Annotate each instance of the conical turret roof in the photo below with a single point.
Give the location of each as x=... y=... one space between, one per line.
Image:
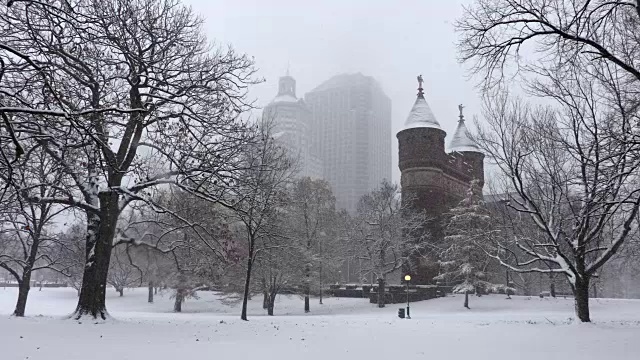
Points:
x=421 y=115
x=461 y=140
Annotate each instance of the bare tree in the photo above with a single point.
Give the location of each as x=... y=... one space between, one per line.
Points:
x=73 y=252
x=535 y=35
x=312 y=214
x=577 y=177
x=28 y=243
x=281 y=263
x=260 y=192
x=383 y=234
x=122 y=272
x=567 y=171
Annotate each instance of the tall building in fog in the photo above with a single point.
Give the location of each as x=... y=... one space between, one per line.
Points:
x=350 y=128
x=290 y=117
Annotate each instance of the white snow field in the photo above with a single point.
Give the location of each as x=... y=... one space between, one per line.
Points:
x=495 y=328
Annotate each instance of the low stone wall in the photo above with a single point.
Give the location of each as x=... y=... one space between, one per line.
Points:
x=350 y=293
x=34 y=285
x=393 y=293
x=398 y=294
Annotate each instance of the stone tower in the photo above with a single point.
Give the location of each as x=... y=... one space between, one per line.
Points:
x=432 y=179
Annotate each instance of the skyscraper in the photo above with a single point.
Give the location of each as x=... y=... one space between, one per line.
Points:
x=350 y=128
x=290 y=117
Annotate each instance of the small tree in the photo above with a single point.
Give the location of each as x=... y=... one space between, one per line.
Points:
x=384 y=234
x=312 y=214
x=463 y=258
x=122 y=271
x=281 y=265
x=260 y=192
x=27 y=243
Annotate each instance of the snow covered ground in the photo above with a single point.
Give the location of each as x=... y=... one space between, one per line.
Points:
x=495 y=328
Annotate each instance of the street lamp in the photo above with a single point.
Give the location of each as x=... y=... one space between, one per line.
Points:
x=407 y=278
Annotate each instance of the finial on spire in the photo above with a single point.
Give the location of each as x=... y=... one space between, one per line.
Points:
x=460 y=107
x=420 y=89
x=287 y=68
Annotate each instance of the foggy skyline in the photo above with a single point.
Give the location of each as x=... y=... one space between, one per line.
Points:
x=390 y=41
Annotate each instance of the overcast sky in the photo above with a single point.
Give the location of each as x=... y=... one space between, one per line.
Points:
x=393 y=41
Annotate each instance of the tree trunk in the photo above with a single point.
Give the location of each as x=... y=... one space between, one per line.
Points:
x=552 y=288
x=307 y=290
x=271 y=304
x=466 y=299
x=100 y=233
x=306 y=301
x=23 y=293
x=581 y=295
x=247 y=282
x=380 y=292
x=320 y=275
x=121 y=291
x=177 y=305
x=155 y=291
x=25 y=285
x=150 y=296
x=265 y=299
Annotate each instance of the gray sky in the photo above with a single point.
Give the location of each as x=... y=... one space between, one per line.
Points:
x=391 y=40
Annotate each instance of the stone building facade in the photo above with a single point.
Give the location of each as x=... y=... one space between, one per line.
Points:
x=432 y=178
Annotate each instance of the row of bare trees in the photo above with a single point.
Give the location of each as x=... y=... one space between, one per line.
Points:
x=121 y=98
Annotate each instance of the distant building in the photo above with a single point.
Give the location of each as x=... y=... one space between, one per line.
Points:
x=290 y=117
x=432 y=179
x=350 y=129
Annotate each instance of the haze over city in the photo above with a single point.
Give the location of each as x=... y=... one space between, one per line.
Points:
x=392 y=41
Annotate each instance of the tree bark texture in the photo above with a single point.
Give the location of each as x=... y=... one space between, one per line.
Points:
x=265 y=300
x=247 y=282
x=100 y=233
x=307 y=290
x=466 y=299
x=23 y=293
x=150 y=296
x=581 y=295
x=271 y=304
x=380 y=293
x=321 y=284
x=177 y=305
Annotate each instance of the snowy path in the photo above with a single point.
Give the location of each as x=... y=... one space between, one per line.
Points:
x=495 y=328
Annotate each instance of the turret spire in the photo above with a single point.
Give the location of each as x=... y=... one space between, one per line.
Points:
x=461 y=140
x=420 y=89
x=421 y=115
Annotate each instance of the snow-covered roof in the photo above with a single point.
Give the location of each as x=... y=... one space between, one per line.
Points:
x=461 y=140
x=421 y=115
x=285 y=98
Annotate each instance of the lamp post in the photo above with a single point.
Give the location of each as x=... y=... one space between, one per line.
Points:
x=407 y=278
